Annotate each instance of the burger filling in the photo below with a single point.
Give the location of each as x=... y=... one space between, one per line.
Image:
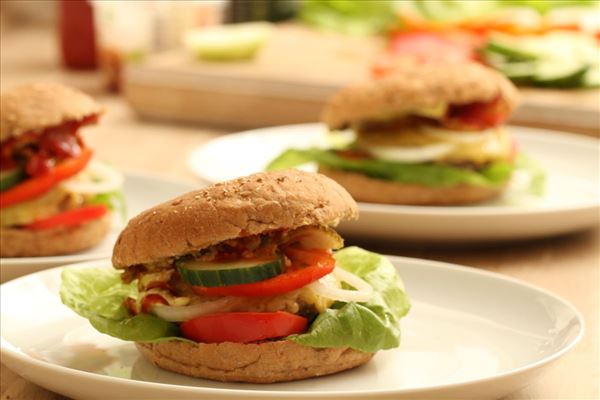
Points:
x=446 y=145
x=227 y=291
x=49 y=180
x=296 y=289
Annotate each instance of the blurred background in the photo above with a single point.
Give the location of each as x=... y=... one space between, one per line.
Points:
x=240 y=64
x=173 y=75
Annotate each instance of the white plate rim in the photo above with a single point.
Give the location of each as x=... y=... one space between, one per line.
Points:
x=82 y=257
x=7 y=349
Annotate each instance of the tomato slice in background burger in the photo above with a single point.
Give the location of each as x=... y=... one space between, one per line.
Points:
x=308 y=265
x=476 y=116
x=243 y=327
x=35 y=187
x=70 y=218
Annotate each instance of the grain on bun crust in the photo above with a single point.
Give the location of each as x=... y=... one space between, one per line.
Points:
x=35 y=107
x=417 y=86
x=264 y=362
x=55 y=241
x=365 y=188
x=241 y=207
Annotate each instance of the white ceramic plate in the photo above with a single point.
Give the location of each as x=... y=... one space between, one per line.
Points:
x=141 y=192
x=469 y=334
x=571 y=201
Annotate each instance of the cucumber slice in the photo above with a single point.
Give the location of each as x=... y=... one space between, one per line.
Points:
x=510 y=51
x=560 y=74
x=10 y=178
x=228 y=42
x=213 y=274
x=519 y=72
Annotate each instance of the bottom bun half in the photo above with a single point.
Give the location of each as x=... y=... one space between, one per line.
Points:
x=264 y=362
x=364 y=188
x=55 y=241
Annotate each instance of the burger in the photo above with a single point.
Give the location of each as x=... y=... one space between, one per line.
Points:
x=54 y=197
x=245 y=281
x=424 y=135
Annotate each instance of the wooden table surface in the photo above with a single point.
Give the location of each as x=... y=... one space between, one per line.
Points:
x=568 y=265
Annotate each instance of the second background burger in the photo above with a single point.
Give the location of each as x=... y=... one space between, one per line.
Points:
x=424 y=135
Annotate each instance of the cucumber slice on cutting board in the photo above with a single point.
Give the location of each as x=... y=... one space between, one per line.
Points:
x=510 y=51
x=228 y=42
x=10 y=178
x=518 y=72
x=560 y=74
x=558 y=59
x=211 y=274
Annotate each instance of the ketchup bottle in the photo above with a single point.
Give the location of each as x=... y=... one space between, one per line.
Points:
x=76 y=32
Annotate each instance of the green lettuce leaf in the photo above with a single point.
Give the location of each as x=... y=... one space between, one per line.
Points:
x=543 y=6
x=493 y=175
x=349 y=16
x=369 y=326
x=461 y=10
x=97 y=294
x=115 y=201
x=537 y=175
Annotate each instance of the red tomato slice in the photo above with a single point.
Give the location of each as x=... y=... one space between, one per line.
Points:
x=70 y=218
x=476 y=116
x=243 y=327
x=432 y=47
x=423 y=46
x=35 y=187
x=307 y=266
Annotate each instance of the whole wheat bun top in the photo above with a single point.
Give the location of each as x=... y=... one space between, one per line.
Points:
x=242 y=207
x=413 y=86
x=35 y=107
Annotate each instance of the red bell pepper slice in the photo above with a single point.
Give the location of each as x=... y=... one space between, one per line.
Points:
x=70 y=218
x=37 y=186
x=308 y=265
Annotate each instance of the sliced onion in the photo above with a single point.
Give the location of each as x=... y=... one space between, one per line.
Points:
x=362 y=293
x=412 y=154
x=185 y=313
x=352 y=280
x=96 y=178
x=312 y=237
x=448 y=135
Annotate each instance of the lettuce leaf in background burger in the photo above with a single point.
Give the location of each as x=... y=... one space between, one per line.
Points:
x=430 y=174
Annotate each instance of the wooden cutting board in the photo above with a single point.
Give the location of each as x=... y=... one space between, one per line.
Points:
x=292 y=77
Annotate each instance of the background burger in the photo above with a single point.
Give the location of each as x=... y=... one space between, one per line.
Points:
x=426 y=135
x=240 y=282
x=54 y=198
